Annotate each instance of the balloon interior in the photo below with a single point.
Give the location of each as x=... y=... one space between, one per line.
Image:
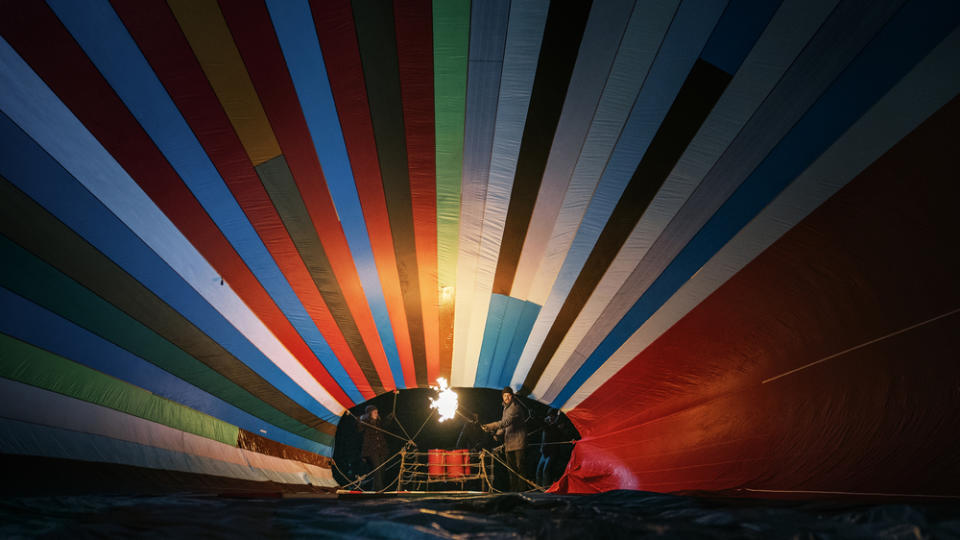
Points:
x=717 y=238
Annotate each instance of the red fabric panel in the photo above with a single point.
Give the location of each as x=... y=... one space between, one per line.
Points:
x=158 y=35
x=875 y=261
x=414 y=27
x=57 y=58
x=338 y=41
x=253 y=33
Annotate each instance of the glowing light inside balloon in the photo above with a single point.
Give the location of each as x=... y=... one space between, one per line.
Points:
x=446 y=402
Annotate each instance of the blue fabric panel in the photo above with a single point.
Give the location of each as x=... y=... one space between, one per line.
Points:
x=101 y=34
x=738 y=29
x=293 y=22
x=491 y=332
x=22 y=161
x=505 y=337
x=33 y=324
x=509 y=323
x=691 y=27
x=526 y=315
x=903 y=42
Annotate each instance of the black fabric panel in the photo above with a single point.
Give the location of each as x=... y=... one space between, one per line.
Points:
x=280 y=185
x=25 y=222
x=693 y=103
x=36 y=475
x=566 y=22
x=378 y=52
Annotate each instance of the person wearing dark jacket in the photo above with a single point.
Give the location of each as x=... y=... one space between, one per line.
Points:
x=512 y=427
x=550 y=449
x=373 y=447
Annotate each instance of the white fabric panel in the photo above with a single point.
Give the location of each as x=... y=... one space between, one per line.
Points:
x=788 y=32
x=36 y=406
x=923 y=91
x=29 y=103
x=598 y=50
x=524 y=35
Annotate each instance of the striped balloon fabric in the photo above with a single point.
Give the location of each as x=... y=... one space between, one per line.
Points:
x=720 y=235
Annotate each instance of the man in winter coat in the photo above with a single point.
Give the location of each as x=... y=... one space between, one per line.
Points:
x=373 y=449
x=512 y=427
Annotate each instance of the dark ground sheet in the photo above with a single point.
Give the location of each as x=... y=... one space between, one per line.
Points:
x=609 y=515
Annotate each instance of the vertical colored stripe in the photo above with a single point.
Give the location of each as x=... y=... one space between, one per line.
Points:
x=293 y=22
x=562 y=34
x=649 y=24
x=377 y=38
x=258 y=45
x=488 y=29
x=451 y=36
x=691 y=28
x=524 y=38
x=603 y=39
x=414 y=27
x=338 y=41
x=211 y=41
x=280 y=185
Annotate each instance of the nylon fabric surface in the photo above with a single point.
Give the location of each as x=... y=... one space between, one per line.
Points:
x=753 y=78
x=374 y=20
x=682 y=44
x=152 y=25
x=489 y=20
x=740 y=387
x=451 y=41
x=292 y=21
x=870 y=75
x=91 y=164
x=61 y=248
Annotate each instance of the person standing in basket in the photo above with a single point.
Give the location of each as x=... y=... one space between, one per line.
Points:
x=373 y=448
x=512 y=428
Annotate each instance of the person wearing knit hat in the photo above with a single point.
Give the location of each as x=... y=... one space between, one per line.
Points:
x=373 y=447
x=512 y=428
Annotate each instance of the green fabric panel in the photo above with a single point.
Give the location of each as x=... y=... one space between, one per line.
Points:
x=451 y=36
x=36 y=367
x=36 y=281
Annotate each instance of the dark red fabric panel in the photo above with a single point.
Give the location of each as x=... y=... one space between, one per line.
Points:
x=253 y=33
x=414 y=27
x=48 y=47
x=871 y=275
x=156 y=32
x=338 y=41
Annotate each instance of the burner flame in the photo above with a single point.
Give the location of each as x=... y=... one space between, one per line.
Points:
x=446 y=402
